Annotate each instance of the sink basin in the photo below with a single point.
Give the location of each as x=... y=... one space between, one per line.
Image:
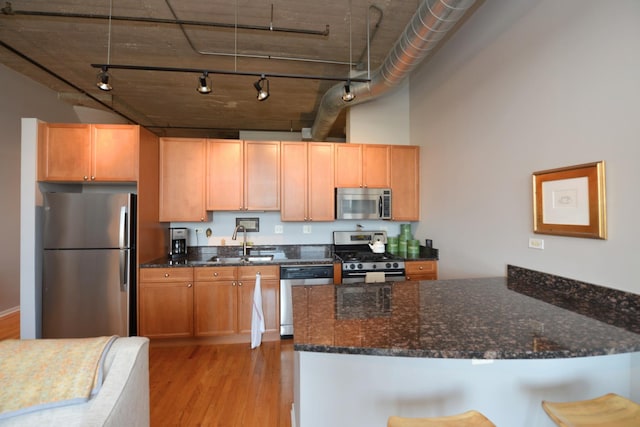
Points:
x=243 y=259
x=258 y=258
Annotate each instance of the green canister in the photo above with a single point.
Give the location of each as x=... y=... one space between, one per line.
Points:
x=405 y=232
x=392 y=245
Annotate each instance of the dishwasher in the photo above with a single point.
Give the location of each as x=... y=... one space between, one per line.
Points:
x=298 y=275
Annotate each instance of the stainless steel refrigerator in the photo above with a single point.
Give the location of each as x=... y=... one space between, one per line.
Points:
x=89 y=274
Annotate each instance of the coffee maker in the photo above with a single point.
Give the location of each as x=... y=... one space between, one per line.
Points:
x=178 y=242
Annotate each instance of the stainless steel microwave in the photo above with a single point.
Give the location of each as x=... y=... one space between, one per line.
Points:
x=363 y=203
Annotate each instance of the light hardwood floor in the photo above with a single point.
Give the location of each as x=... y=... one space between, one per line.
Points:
x=226 y=385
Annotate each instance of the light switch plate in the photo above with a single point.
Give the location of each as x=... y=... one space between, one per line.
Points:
x=306 y=229
x=278 y=229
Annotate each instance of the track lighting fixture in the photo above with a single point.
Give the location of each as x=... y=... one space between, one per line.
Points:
x=262 y=86
x=204 y=83
x=348 y=95
x=103 y=80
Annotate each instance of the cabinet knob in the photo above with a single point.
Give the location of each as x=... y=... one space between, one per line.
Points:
x=420 y=268
x=86 y=178
x=93 y=178
x=166 y=274
x=189 y=285
x=233 y=283
x=215 y=274
x=239 y=283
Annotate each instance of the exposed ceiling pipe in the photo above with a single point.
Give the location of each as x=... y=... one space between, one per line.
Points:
x=430 y=23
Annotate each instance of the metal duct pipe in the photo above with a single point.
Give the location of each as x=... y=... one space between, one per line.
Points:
x=430 y=23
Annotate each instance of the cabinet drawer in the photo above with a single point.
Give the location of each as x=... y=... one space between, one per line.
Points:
x=212 y=274
x=421 y=270
x=177 y=274
x=266 y=272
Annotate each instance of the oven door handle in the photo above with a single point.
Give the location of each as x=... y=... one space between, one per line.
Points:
x=387 y=273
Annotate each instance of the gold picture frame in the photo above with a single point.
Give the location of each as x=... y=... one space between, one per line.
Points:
x=571 y=201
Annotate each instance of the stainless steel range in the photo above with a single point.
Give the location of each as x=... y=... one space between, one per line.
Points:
x=358 y=260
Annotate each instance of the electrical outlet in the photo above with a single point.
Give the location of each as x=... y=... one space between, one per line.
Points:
x=536 y=243
x=306 y=229
x=279 y=229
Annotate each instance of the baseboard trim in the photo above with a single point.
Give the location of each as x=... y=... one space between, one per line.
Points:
x=10 y=324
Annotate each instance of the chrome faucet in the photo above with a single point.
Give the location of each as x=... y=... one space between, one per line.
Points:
x=244 y=240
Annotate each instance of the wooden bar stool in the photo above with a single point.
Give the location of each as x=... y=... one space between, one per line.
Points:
x=467 y=419
x=610 y=410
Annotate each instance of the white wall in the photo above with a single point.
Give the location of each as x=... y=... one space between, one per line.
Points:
x=21 y=97
x=383 y=120
x=526 y=86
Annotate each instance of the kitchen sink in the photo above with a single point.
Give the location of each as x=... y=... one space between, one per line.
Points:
x=243 y=259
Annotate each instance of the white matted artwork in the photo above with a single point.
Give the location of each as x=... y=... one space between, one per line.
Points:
x=566 y=201
x=570 y=201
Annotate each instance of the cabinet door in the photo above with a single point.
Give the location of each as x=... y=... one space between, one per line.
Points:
x=262 y=175
x=225 y=175
x=270 y=304
x=405 y=182
x=348 y=172
x=320 y=193
x=64 y=152
x=114 y=156
x=216 y=305
x=166 y=309
x=375 y=166
x=270 y=286
x=294 y=181
x=182 y=168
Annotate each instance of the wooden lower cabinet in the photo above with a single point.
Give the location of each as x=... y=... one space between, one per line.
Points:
x=421 y=270
x=224 y=299
x=166 y=302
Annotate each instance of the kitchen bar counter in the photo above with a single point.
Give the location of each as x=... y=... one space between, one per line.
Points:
x=435 y=348
x=490 y=318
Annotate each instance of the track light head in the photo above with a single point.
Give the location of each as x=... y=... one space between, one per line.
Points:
x=204 y=84
x=103 y=80
x=262 y=86
x=348 y=95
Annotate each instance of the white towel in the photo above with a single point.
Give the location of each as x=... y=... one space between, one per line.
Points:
x=257 y=316
x=374 y=277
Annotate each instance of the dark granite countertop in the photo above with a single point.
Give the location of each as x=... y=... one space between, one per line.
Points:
x=488 y=318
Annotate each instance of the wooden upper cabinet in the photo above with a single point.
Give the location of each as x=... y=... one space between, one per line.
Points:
x=243 y=175
x=225 y=175
x=348 y=165
x=307 y=181
x=405 y=182
x=321 y=198
x=88 y=153
x=294 y=181
x=262 y=175
x=115 y=152
x=375 y=166
x=362 y=165
x=182 y=184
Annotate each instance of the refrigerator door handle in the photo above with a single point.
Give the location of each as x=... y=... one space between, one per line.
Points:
x=123 y=227
x=124 y=268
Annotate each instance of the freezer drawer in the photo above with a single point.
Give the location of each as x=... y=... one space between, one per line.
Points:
x=83 y=293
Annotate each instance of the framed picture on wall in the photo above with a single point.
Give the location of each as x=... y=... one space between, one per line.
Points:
x=570 y=201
